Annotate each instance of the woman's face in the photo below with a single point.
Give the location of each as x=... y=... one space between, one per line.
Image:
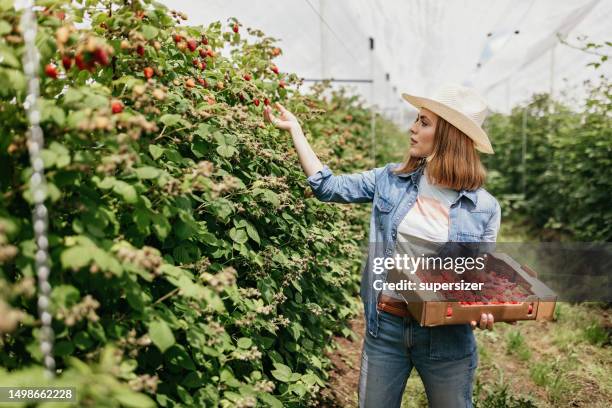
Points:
x=422 y=133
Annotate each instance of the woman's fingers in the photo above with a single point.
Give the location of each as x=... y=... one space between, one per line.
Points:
x=280 y=107
x=483 y=321
x=486 y=322
x=269 y=115
x=285 y=114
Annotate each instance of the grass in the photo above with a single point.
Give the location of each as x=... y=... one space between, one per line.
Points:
x=515 y=344
x=595 y=334
x=499 y=397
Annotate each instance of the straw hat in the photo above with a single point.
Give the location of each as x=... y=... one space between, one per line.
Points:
x=462 y=107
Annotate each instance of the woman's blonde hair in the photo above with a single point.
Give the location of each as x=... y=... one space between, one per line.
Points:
x=454 y=162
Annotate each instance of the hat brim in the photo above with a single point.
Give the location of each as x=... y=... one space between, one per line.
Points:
x=456 y=118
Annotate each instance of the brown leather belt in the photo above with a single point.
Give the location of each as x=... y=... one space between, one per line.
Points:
x=394 y=306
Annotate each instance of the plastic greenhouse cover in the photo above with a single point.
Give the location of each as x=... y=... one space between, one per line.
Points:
x=507 y=49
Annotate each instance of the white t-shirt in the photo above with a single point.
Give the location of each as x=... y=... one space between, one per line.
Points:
x=424 y=229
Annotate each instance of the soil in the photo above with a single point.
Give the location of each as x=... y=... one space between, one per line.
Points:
x=346 y=361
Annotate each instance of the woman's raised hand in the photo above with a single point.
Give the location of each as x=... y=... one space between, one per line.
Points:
x=286 y=121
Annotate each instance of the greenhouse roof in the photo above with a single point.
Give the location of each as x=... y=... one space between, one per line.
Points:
x=507 y=49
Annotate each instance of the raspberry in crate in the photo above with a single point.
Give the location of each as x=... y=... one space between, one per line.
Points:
x=508 y=290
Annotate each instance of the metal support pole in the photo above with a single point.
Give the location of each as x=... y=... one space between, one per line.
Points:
x=349 y=80
x=372 y=98
x=387 y=85
x=552 y=71
x=508 y=94
x=524 y=150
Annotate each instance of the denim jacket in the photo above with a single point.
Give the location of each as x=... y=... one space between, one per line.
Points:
x=475 y=216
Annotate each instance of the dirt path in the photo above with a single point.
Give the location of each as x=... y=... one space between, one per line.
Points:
x=346 y=360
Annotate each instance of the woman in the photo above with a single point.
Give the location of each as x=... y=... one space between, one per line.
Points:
x=410 y=212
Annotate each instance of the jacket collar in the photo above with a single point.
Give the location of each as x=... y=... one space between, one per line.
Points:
x=415 y=175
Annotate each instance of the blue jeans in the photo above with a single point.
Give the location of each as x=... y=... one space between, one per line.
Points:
x=444 y=356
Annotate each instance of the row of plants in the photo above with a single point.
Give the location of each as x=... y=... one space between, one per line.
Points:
x=563 y=181
x=191 y=265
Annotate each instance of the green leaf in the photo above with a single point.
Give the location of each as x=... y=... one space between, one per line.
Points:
x=245 y=343
x=51 y=112
x=147 y=172
x=250 y=229
x=97 y=331
x=203 y=130
x=238 y=235
x=282 y=372
x=268 y=196
x=106 y=183
x=9 y=58
x=296 y=330
x=65 y=296
x=161 y=335
x=15 y=79
x=6 y=5
x=178 y=356
x=63 y=348
x=193 y=380
x=142 y=220
x=199 y=148
x=72 y=95
x=298 y=388
x=226 y=143
x=5 y=27
x=186 y=252
x=126 y=191
x=226 y=151
x=170 y=119
x=134 y=399
x=62 y=154
x=94 y=101
x=106 y=261
x=49 y=158
x=75 y=258
x=161 y=226
x=156 y=151
x=149 y=32
x=270 y=400
x=82 y=340
x=228 y=378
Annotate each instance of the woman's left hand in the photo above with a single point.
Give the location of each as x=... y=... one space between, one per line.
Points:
x=486 y=322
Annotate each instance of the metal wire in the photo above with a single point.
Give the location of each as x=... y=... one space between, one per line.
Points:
x=348 y=50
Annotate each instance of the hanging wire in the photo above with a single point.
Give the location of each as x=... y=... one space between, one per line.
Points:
x=38 y=186
x=333 y=32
